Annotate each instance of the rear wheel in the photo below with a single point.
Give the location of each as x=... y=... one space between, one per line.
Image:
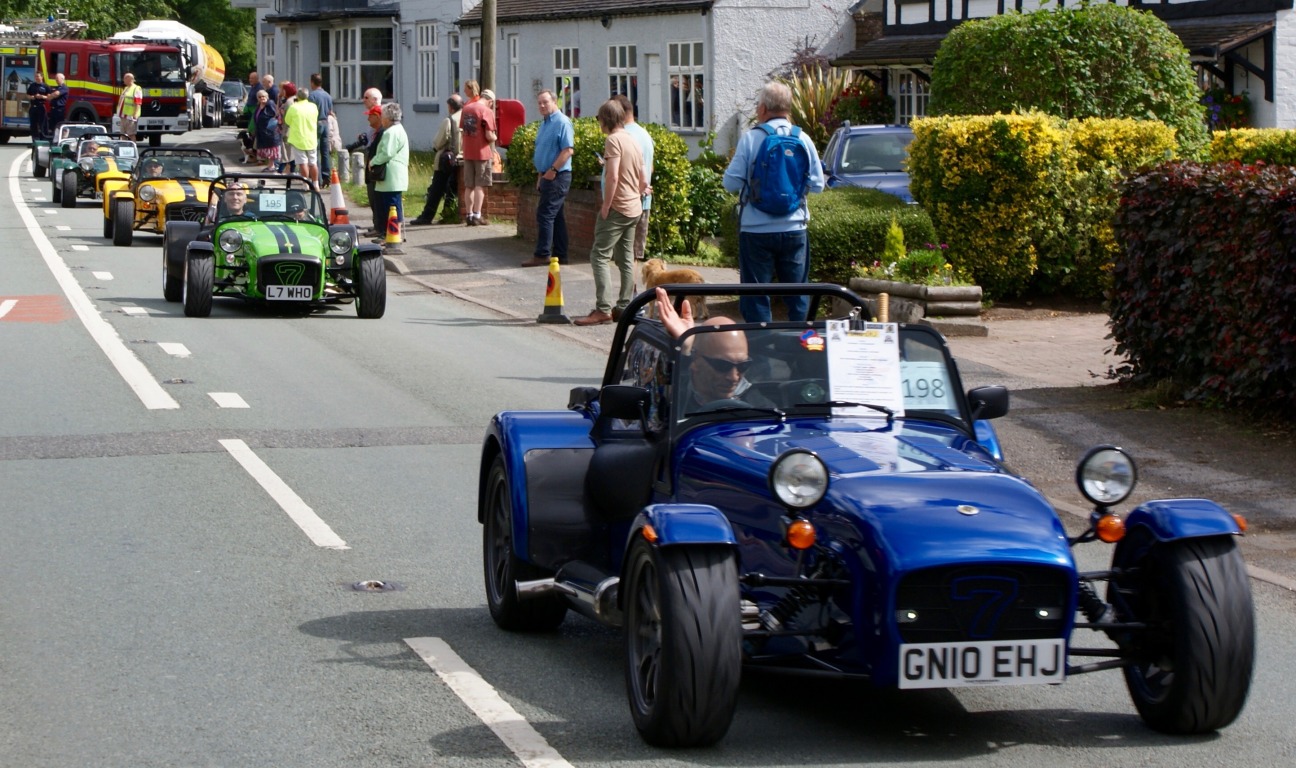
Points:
x=200 y=274
x=123 y=228
x=504 y=568
x=38 y=170
x=683 y=643
x=1196 y=657
x=371 y=301
x=69 y=189
x=56 y=194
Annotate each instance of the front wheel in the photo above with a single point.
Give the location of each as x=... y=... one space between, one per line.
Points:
x=56 y=194
x=38 y=170
x=200 y=275
x=683 y=643
x=123 y=221
x=69 y=189
x=503 y=568
x=371 y=289
x=1194 y=660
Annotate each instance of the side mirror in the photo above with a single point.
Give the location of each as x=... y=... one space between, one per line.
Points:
x=622 y=401
x=988 y=402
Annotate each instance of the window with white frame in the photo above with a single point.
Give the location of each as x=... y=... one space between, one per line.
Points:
x=911 y=95
x=567 y=80
x=268 y=51
x=476 y=60
x=453 y=40
x=685 y=66
x=358 y=58
x=377 y=70
x=337 y=64
x=515 y=65
x=623 y=72
x=426 y=36
x=325 y=45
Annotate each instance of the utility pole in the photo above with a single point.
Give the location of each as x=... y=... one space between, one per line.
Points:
x=488 y=45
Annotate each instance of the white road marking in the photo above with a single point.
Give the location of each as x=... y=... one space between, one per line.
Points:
x=51 y=212
x=102 y=275
x=290 y=502
x=128 y=366
x=174 y=348
x=1264 y=574
x=80 y=247
x=225 y=399
x=135 y=310
x=7 y=305
x=61 y=227
x=498 y=715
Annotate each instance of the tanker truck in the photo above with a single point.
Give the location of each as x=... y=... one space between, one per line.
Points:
x=204 y=65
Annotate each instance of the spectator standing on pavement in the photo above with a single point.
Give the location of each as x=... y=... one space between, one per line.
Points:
x=287 y=95
x=302 y=121
x=448 y=146
x=555 y=143
x=335 y=145
x=372 y=98
x=58 y=96
x=369 y=143
x=623 y=188
x=37 y=93
x=254 y=87
x=640 y=135
x=771 y=248
x=392 y=154
x=324 y=103
x=129 y=104
x=478 y=124
x=265 y=123
x=268 y=84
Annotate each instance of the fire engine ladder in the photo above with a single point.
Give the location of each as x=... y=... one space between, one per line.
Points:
x=32 y=31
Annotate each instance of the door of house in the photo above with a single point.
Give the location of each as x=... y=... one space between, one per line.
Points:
x=652 y=63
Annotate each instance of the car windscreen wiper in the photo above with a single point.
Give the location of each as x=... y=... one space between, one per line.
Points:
x=890 y=414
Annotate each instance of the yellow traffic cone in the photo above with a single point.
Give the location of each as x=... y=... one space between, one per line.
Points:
x=337 y=203
x=553 y=301
x=393 y=240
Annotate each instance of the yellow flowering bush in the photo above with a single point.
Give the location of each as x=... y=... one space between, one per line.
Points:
x=1276 y=146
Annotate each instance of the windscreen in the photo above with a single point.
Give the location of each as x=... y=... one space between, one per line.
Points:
x=154 y=69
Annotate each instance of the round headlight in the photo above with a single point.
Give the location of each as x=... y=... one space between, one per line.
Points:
x=340 y=260
x=231 y=240
x=1106 y=475
x=340 y=242
x=147 y=193
x=799 y=479
x=87 y=164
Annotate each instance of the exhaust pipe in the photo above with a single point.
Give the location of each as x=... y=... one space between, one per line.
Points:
x=589 y=590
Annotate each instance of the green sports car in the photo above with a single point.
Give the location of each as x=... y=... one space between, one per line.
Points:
x=266 y=239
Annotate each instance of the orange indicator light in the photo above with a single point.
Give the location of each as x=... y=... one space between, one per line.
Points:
x=800 y=534
x=1110 y=528
x=649 y=534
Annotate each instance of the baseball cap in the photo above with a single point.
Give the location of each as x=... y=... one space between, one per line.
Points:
x=374 y=111
x=488 y=94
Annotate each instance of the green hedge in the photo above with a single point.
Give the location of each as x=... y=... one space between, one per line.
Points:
x=847 y=230
x=1025 y=202
x=1202 y=295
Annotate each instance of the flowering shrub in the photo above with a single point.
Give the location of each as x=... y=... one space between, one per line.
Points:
x=861 y=103
x=1226 y=110
x=1252 y=145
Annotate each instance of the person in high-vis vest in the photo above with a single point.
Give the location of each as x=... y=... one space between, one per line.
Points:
x=128 y=105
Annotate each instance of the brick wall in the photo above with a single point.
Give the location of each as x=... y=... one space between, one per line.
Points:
x=501 y=200
x=580 y=210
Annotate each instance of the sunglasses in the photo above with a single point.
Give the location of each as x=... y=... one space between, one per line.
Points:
x=726 y=367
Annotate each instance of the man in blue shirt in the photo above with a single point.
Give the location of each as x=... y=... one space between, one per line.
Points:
x=772 y=247
x=554 y=145
x=57 y=104
x=321 y=99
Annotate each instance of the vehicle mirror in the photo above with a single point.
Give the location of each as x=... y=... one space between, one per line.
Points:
x=988 y=402
x=622 y=401
x=581 y=398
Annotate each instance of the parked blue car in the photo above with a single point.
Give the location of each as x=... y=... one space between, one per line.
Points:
x=869 y=156
x=718 y=499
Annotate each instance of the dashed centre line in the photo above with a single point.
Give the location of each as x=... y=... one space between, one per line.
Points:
x=228 y=399
x=102 y=275
x=316 y=529
x=481 y=697
x=174 y=348
x=80 y=247
x=135 y=310
x=7 y=305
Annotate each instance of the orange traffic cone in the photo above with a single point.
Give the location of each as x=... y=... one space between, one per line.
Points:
x=337 y=203
x=553 y=301
x=393 y=240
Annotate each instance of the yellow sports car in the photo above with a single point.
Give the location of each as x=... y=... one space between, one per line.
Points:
x=168 y=184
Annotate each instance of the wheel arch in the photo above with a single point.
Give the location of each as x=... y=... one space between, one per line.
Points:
x=1172 y=519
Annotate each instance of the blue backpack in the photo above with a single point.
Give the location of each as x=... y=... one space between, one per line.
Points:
x=780 y=174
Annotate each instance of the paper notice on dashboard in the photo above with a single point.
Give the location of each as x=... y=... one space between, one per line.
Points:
x=864 y=367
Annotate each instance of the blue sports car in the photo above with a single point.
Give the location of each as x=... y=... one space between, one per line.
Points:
x=824 y=496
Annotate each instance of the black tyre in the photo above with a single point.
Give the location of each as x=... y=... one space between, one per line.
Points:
x=38 y=170
x=176 y=239
x=56 y=194
x=371 y=288
x=69 y=189
x=108 y=224
x=503 y=568
x=123 y=228
x=200 y=274
x=683 y=643
x=1196 y=658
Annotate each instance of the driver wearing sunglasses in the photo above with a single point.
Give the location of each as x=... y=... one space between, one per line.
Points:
x=719 y=363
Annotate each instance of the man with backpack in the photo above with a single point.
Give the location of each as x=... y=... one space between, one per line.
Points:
x=774 y=167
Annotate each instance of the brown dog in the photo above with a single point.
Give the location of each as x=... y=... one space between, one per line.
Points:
x=657 y=272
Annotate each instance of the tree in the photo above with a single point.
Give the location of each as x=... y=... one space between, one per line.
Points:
x=1090 y=61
